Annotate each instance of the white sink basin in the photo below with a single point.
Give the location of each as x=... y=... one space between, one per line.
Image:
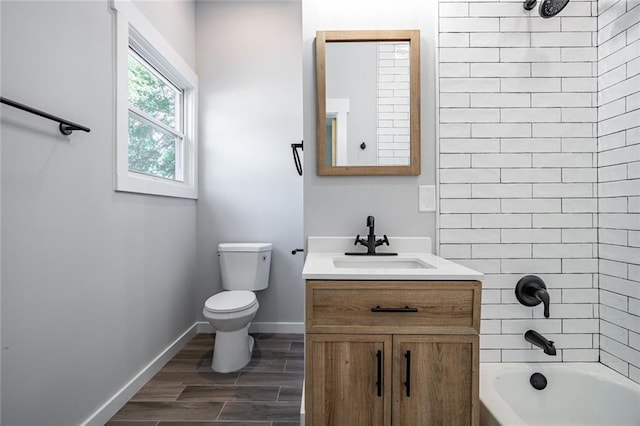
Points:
x=380 y=263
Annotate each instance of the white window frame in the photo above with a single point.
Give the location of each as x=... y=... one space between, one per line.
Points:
x=132 y=28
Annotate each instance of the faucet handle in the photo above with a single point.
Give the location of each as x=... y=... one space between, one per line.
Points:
x=355 y=243
x=381 y=241
x=543 y=296
x=531 y=291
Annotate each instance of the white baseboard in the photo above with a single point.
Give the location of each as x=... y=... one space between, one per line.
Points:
x=260 y=327
x=277 y=327
x=117 y=401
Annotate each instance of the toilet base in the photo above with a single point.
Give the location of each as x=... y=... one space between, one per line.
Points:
x=232 y=350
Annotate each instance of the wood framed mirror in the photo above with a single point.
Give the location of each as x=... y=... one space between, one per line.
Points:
x=368 y=102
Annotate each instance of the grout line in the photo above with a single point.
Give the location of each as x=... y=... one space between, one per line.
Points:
x=181 y=392
x=221 y=409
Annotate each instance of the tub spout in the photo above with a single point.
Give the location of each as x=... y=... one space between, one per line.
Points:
x=539 y=340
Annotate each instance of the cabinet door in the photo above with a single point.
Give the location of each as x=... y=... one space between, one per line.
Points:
x=348 y=379
x=435 y=380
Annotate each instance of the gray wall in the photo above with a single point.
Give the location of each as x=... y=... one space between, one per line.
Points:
x=95 y=283
x=249 y=56
x=351 y=73
x=0 y=264
x=176 y=20
x=339 y=205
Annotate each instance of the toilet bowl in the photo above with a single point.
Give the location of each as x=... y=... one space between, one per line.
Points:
x=244 y=268
x=230 y=313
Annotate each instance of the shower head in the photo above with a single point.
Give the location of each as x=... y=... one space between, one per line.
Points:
x=548 y=8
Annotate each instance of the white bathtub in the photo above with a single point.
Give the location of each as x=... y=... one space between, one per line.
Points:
x=576 y=394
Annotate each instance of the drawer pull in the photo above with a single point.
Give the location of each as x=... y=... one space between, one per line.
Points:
x=405 y=309
x=407 y=383
x=379 y=382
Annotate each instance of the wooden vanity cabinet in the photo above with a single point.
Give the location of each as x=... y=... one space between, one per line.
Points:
x=392 y=353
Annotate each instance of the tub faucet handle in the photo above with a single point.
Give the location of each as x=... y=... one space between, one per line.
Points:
x=543 y=296
x=531 y=291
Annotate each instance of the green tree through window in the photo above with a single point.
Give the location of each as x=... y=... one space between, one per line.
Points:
x=154 y=120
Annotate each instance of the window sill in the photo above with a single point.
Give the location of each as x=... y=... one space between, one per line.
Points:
x=143 y=184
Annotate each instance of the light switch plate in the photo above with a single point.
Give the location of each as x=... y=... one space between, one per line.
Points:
x=426 y=198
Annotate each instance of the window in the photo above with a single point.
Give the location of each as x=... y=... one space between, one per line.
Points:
x=156 y=111
x=155 y=121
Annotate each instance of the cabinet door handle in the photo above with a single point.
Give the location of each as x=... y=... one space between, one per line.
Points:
x=379 y=382
x=407 y=383
x=405 y=309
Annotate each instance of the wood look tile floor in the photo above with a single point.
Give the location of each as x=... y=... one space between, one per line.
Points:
x=188 y=392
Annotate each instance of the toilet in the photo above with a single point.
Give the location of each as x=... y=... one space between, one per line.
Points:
x=244 y=268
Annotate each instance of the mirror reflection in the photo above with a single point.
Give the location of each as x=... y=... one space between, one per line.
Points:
x=367 y=105
x=368 y=102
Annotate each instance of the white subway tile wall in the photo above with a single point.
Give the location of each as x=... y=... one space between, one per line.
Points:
x=619 y=184
x=517 y=167
x=393 y=103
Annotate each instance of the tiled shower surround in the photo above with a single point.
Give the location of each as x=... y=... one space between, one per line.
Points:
x=619 y=184
x=518 y=172
x=517 y=168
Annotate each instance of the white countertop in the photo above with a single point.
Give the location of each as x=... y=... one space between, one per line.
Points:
x=324 y=253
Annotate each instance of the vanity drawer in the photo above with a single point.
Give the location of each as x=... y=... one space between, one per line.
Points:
x=398 y=307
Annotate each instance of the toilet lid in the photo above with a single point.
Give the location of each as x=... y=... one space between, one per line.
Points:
x=230 y=301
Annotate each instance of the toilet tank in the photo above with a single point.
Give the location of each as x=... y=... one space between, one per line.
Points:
x=245 y=266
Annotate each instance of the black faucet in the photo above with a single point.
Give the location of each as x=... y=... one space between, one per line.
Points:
x=538 y=339
x=371 y=242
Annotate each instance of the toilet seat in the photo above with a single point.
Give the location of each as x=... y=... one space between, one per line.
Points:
x=230 y=301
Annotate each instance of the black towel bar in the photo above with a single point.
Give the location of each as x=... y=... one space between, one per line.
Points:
x=66 y=127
